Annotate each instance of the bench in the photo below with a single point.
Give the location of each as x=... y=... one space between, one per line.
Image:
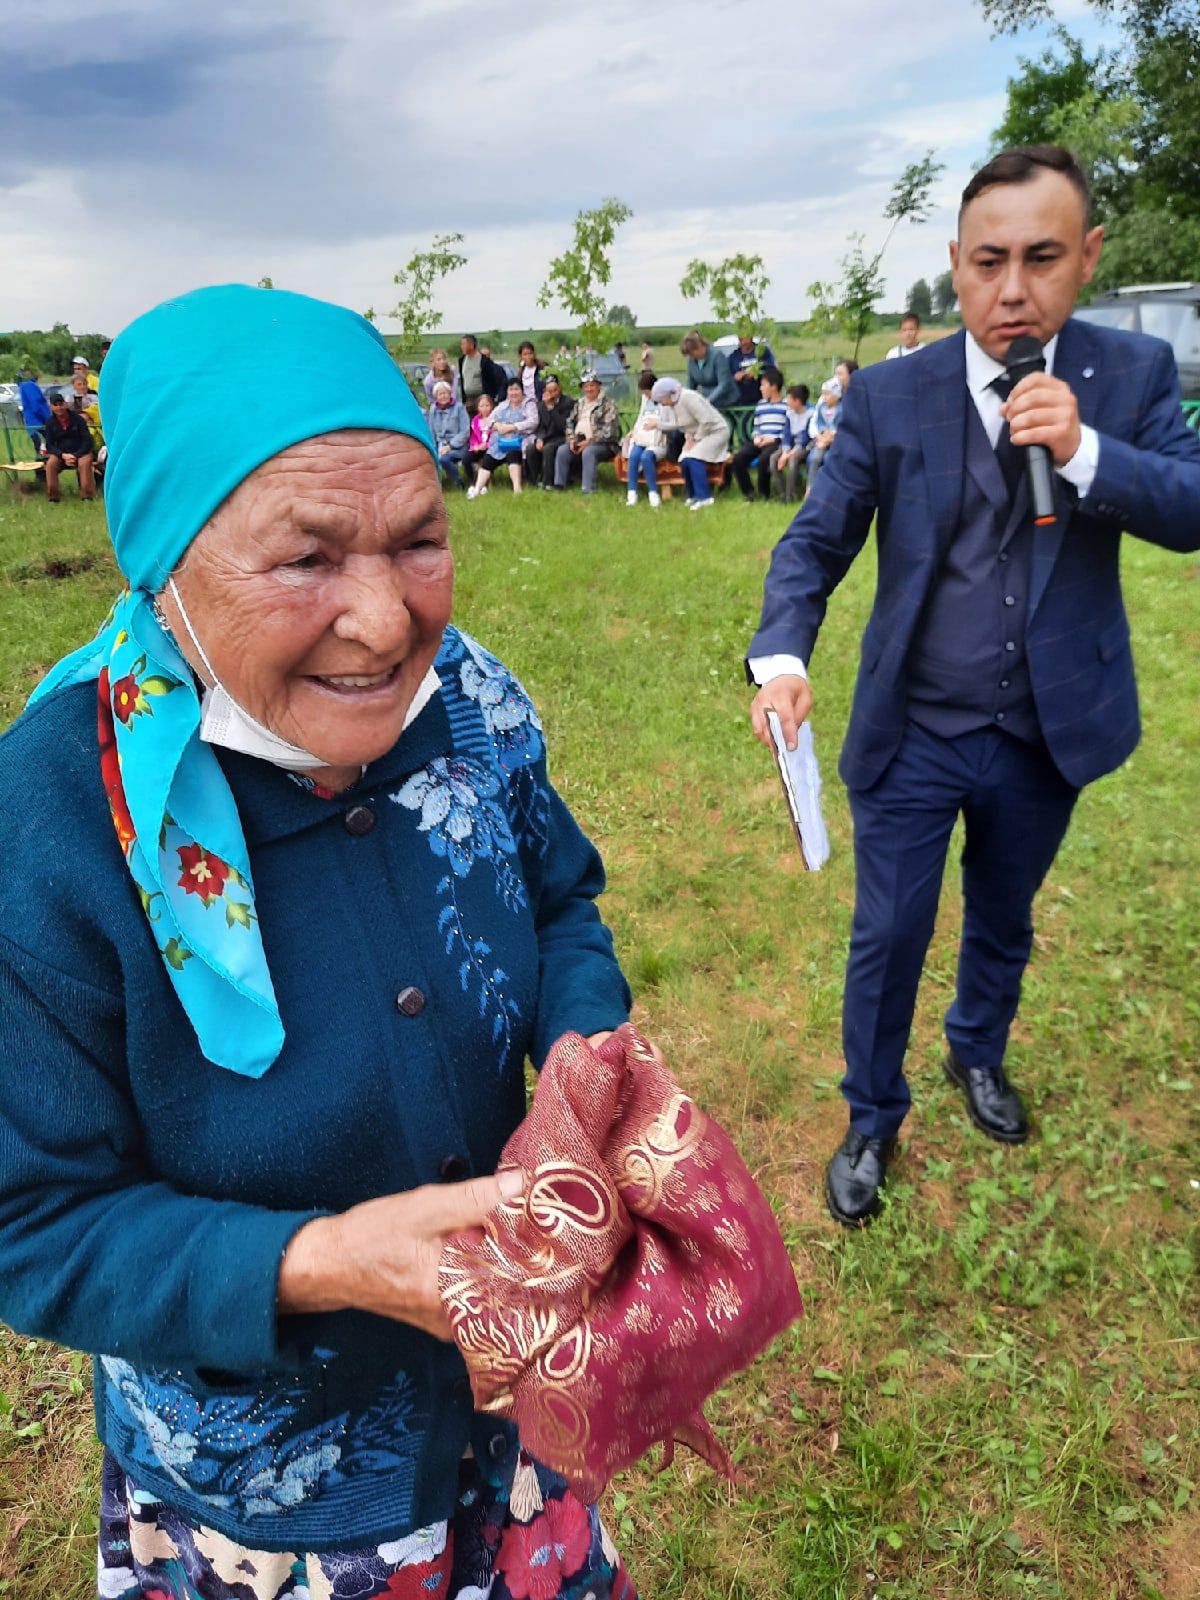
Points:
x=670 y=475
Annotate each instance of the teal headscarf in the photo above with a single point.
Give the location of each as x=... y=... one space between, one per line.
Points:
x=195 y=395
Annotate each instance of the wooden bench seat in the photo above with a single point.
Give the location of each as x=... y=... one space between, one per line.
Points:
x=670 y=475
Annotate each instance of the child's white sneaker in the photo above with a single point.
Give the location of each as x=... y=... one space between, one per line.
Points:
x=654 y=498
x=631 y=498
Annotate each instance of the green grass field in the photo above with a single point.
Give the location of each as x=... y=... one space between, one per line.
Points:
x=996 y=1390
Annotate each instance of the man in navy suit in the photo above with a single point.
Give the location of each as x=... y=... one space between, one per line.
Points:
x=996 y=677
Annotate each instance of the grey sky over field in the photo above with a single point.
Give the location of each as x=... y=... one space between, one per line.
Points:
x=160 y=146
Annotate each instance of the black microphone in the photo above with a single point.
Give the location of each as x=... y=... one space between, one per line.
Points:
x=1025 y=355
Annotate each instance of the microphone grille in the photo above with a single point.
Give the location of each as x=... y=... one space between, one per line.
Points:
x=1025 y=351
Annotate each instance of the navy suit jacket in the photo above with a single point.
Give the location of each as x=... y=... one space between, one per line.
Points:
x=899 y=459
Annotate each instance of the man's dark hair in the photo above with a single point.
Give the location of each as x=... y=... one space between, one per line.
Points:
x=772 y=375
x=1022 y=165
x=799 y=391
x=472 y=338
x=646 y=382
x=910 y=316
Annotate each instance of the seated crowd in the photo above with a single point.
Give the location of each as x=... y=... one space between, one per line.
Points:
x=482 y=420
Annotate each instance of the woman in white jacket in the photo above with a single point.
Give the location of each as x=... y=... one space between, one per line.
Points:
x=705 y=431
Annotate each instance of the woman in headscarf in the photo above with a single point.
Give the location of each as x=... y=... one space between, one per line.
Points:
x=287 y=899
x=705 y=431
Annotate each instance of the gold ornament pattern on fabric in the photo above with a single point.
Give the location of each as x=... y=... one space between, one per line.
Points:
x=639 y=1269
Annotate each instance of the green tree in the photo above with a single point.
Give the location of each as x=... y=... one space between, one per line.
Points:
x=266 y=283
x=846 y=305
x=418 y=279
x=919 y=300
x=575 y=278
x=944 y=297
x=736 y=289
x=1131 y=115
x=621 y=317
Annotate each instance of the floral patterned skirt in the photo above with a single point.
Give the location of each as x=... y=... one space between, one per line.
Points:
x=524 y=1537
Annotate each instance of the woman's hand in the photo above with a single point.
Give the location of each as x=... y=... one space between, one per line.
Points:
x=382 y=1256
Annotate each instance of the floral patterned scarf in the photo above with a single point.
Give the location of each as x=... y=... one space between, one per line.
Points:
x=178 y=827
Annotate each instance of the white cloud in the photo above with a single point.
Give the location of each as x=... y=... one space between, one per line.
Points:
x=322 y=144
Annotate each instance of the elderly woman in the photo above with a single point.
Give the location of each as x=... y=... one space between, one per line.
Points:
x=705 y=431
x=450 y=428
x=288 y=898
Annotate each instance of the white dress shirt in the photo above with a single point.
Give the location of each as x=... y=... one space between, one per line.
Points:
x=982 y=371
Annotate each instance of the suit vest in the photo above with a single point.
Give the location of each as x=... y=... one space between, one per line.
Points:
x=967 y=667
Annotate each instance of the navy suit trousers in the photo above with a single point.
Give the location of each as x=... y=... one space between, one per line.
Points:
x=1016 y=807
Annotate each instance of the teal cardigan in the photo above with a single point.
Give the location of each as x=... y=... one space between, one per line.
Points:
x=426 y=931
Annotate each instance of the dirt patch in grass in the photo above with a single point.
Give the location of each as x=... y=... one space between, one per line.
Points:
x=54 y=567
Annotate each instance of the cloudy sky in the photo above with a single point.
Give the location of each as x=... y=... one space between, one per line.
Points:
x=152 y=146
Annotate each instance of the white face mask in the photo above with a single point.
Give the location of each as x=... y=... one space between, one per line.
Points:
x=224 y=722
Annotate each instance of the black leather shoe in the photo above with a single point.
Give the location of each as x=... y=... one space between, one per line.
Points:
x=855 y=1176
x=993 y=1105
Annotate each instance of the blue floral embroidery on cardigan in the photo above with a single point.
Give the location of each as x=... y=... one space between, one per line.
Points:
x=508 y=712
x=456 y=799
x=226 y=1449
x=461 y=811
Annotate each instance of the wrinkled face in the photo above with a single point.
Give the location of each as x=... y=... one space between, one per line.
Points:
x=551 y=392
x=1021 y=256
x=516 y=395
x=591 y=391
x=442 y=398
x=320 y=590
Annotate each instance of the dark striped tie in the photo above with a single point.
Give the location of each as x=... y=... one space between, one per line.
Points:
x=1007 y=454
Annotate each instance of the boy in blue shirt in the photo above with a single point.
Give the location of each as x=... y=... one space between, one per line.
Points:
x=766 y=435
x=789 y=459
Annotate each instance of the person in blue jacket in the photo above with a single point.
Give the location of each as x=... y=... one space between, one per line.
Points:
x=35 y=408
x=708 y=371
x=996 y=677
x=451 y=427
x=288 y=898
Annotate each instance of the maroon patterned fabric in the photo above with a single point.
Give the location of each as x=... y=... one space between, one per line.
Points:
x=641 y=1267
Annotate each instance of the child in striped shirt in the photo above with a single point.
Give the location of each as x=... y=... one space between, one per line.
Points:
x=767 y=431
x=788 y=461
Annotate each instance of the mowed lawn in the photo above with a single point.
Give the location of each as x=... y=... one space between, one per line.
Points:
x=996 y=1390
